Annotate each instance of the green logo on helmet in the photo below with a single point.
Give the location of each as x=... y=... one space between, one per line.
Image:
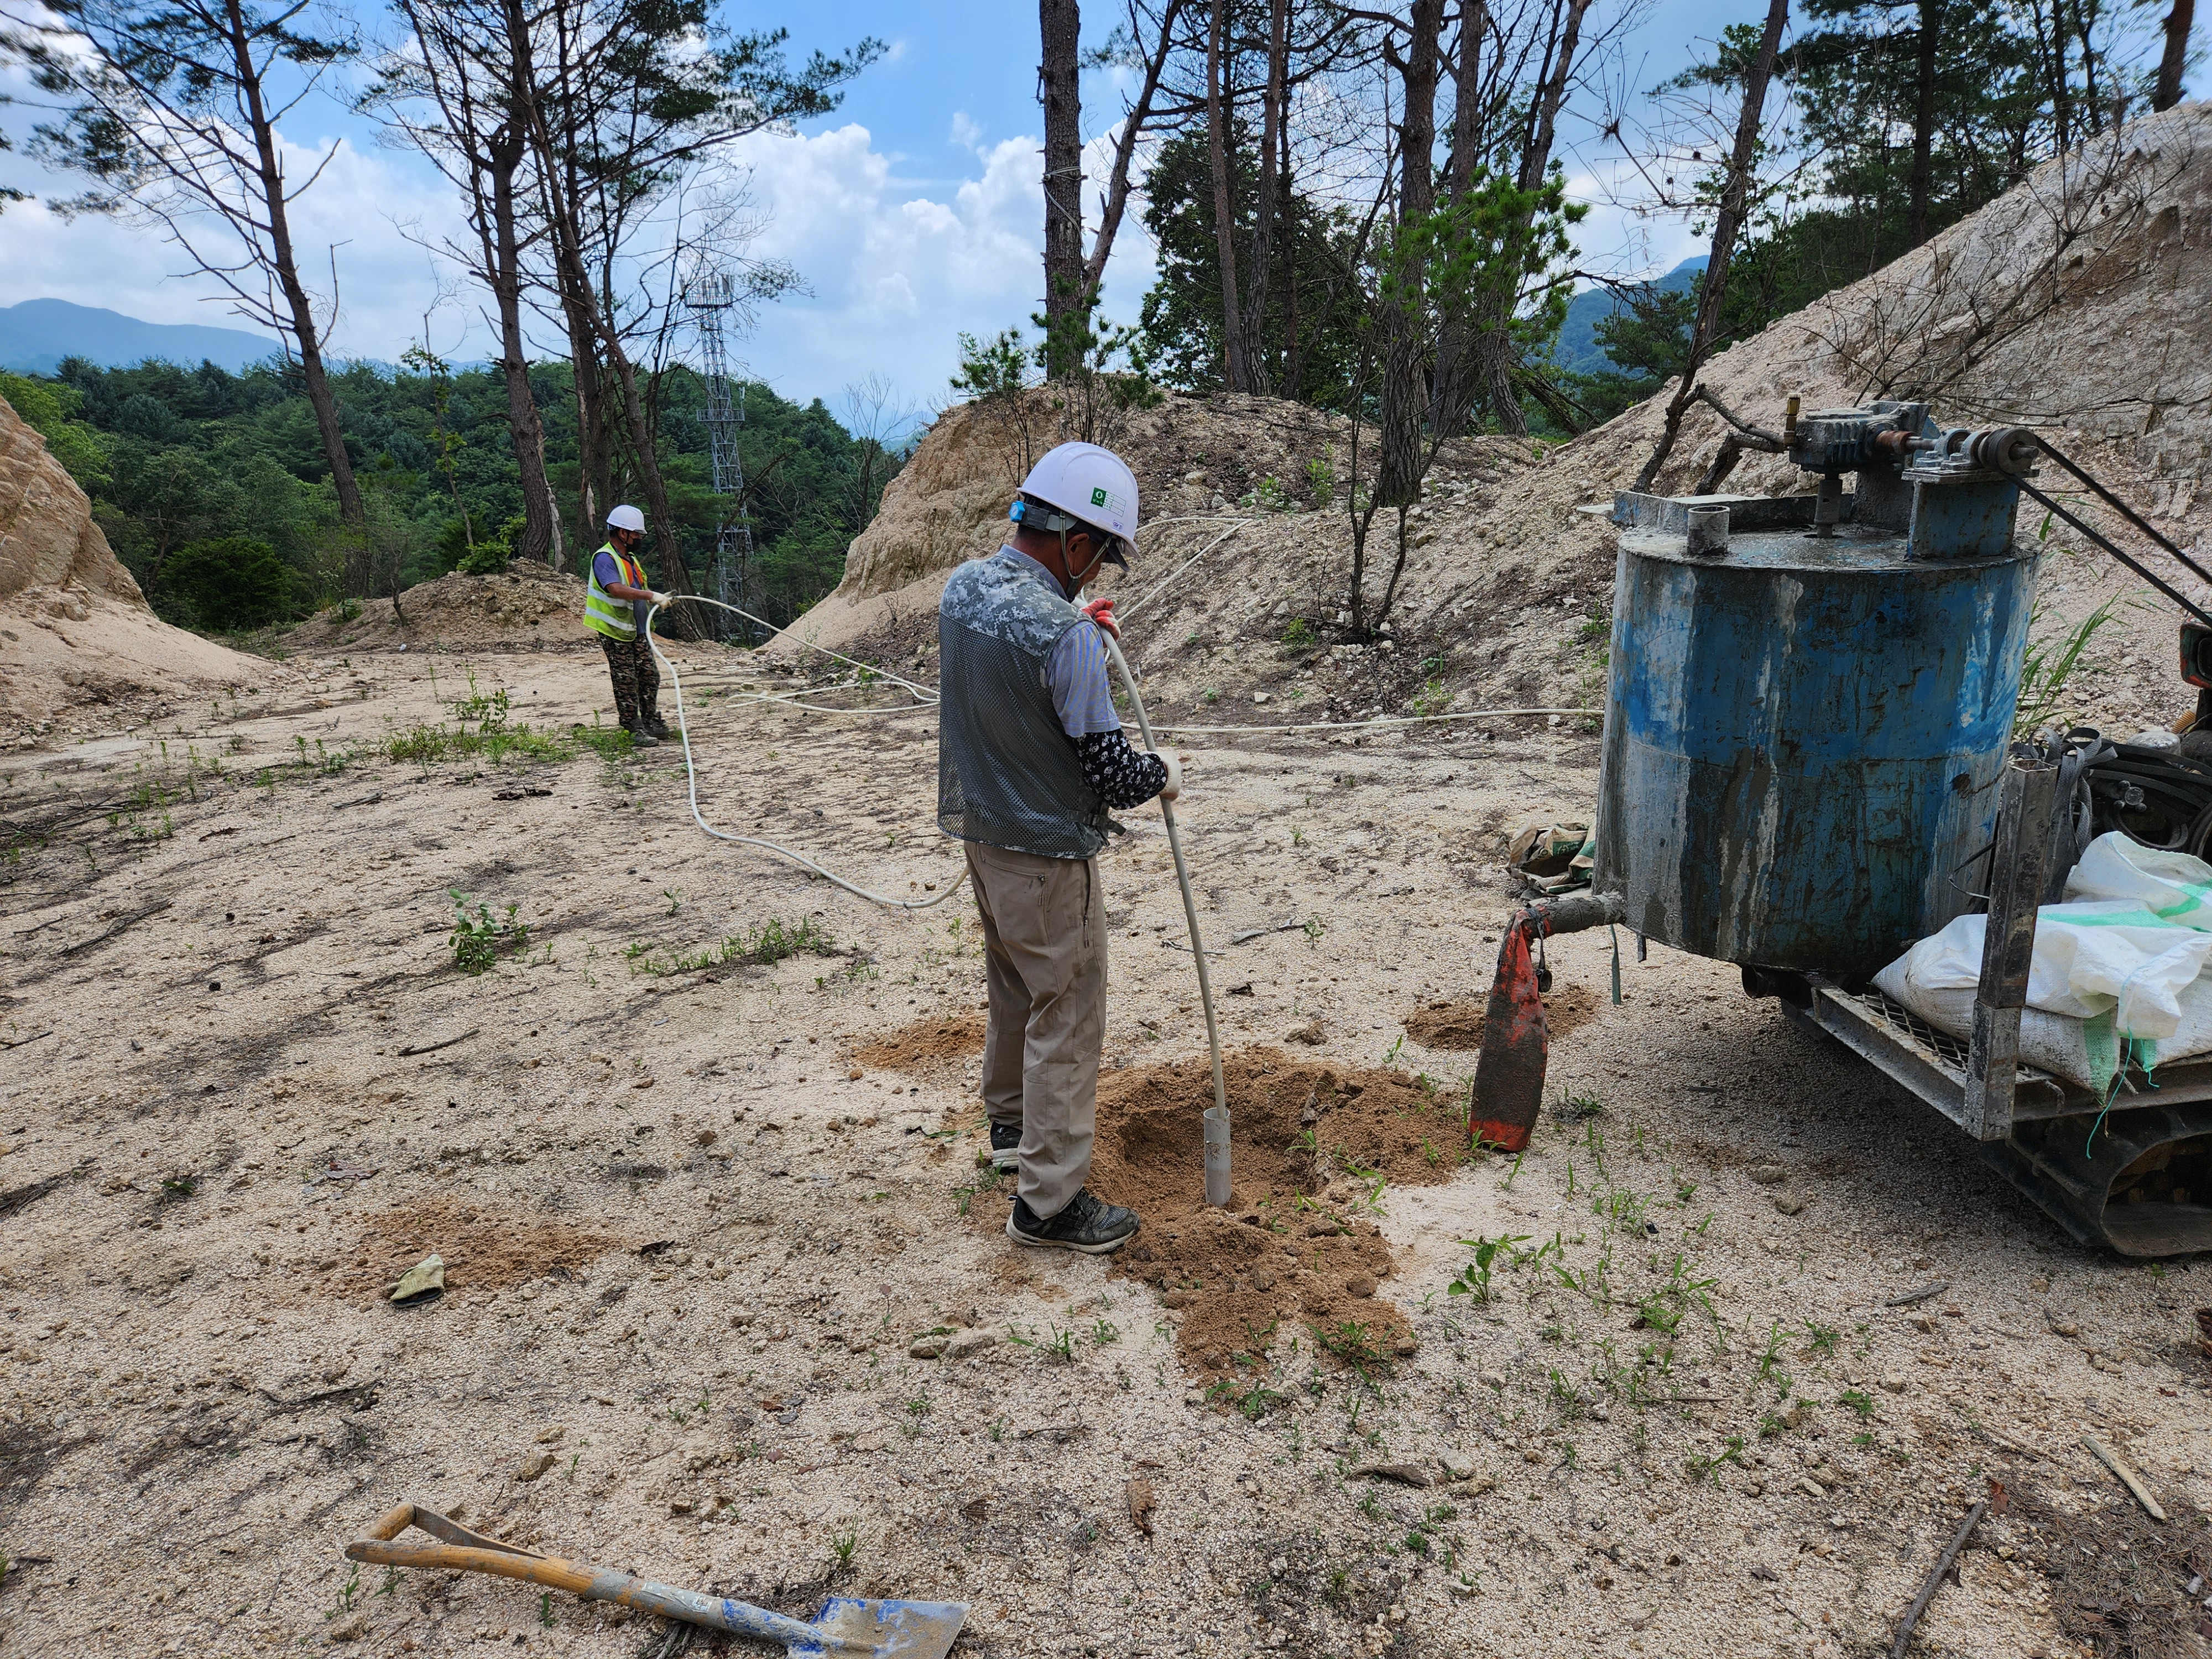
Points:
x=1097 y=498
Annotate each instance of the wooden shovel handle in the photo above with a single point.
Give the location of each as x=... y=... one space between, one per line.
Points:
x=573 y=1576
x=597 y=1585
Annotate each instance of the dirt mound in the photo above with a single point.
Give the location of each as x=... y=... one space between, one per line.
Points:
x=926 y=1045
x=1202 y=465
x=1311 y=1150
x=1191 y=455
x=1456 y=1026
x=486 y=1248
x=48 y=541
x=2075 y=304
x=80 y=663
x=529 y=607
x=79 y=647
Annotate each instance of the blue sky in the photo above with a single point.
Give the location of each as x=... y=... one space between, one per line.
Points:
x=912 y=213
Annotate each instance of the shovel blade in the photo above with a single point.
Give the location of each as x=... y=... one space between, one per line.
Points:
x=848 y=1627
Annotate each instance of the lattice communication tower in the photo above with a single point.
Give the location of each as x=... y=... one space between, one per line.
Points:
x=711 y=296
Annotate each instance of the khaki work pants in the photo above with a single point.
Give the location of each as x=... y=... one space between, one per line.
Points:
x=1044 y=942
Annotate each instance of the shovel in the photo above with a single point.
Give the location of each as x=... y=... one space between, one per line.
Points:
x=846 y=1625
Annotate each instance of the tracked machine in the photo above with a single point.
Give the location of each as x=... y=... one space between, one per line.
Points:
x=1811 y=763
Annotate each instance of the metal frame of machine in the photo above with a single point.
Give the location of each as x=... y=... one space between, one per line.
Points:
x=1942 y=501
x=2025 y=1120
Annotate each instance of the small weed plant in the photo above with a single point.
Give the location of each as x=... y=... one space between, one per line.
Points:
x=774 y=941
x=1474 y=1279
x=477 y=943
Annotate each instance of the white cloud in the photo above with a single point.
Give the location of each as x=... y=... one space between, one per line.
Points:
x=1623 y=236
x=896 y=270
x=898 y=274
x=352 y=216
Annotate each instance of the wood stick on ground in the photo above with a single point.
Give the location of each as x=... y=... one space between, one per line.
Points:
x=432 y=1047
x=1935 y=1576
x=2006 y=1443
x=1405 y=1474
x=2111 y=1460
x=1920 y=1295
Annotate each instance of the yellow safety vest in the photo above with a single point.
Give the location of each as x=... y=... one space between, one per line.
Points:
x=613 y=617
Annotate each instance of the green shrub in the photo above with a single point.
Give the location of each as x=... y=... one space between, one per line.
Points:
x=51 y=411
x=773 y=943
x=489 y=557
x=425 y=745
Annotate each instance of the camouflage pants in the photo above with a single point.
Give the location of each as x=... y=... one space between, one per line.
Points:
x=637 y=680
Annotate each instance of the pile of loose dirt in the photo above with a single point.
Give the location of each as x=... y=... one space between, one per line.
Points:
x=75 y=663
x=1456 y=1025
x=926 y=1045
x=529 y=607
x=485 y=1248
x=1311 y=1150
x=1296 y=1252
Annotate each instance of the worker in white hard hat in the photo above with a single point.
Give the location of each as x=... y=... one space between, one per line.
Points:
x=1030 y=758
x=615 y=606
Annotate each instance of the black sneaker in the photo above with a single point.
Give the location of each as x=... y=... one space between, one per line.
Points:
x=659 y=728
x=642 y=738
x=1087 y=1225
x=1006 y=1146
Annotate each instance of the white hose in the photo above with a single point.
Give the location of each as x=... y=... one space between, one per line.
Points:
x=924 y=698
x=691 y=779
x=1388 y=720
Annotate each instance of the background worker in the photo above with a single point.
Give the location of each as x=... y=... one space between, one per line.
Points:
x=615 y=606
x=1030 y=756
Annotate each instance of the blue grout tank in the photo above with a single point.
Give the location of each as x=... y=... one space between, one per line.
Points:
x=1805 y=725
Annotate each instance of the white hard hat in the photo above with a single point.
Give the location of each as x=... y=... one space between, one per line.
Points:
x=1090 y=483
x=626 y=517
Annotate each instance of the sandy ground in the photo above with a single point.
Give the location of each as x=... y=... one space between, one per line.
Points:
x=692 y=1237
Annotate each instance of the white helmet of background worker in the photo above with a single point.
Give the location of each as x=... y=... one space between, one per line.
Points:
x=626 y=518
x=1089 y=484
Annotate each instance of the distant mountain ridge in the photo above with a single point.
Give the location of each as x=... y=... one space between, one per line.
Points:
x=1576 y=349
x=35 y=335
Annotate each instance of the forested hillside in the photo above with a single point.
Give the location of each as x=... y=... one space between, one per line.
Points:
x=214 y=490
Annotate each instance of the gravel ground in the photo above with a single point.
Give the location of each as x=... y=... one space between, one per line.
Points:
x=692 y=1238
